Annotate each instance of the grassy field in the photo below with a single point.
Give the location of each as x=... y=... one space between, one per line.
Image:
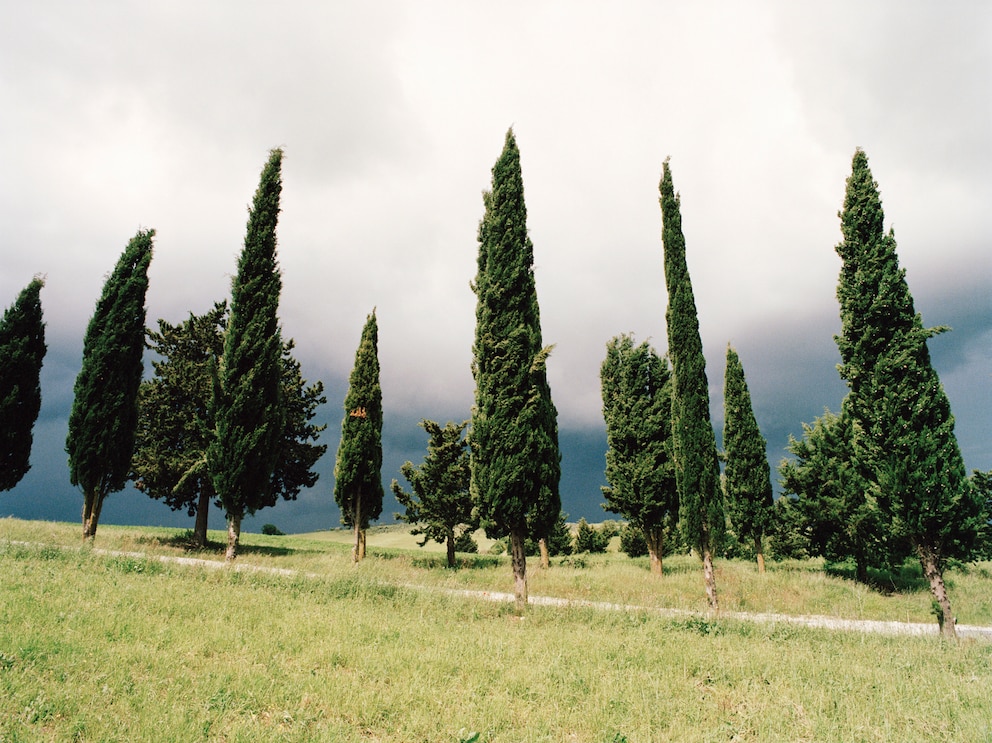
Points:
x=126 y=647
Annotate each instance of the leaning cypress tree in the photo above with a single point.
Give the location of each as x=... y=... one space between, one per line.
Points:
x=696 y=465
x=905 y=438
x=105 y=405
x=747 y=477
x=515 y=459
x=247 y=400
x=22 y=350
x=637 y=408
x=358 y=472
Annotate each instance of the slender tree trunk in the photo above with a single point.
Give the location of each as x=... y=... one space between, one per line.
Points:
x=92 y=503
x=450 y=544
x=542 y=545
x=233 y=535
x=518 y=558
x=710 y=578
x=758 y=550
x=356 y=553
x=361 y=543
x=655 y=540
x=202 y=512
x=935 y=575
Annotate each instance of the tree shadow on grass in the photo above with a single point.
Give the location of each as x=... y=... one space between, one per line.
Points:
x=906 y=578
x=184 y=540
x=463 y=561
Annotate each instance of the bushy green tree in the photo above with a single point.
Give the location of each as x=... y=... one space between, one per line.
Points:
x=104 y=411
x=905 y=436
x=697 y=469
x=515 y=460
x=22 y=351
x=637 y=407
x=248 y=409
x=590 y=539
x=834 y=506
x=440 y=506
x=747 y=477
x=632 y=542
x=358 y=471
x=176 y=426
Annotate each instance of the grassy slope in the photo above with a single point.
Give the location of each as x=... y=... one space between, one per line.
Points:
x=123 y=648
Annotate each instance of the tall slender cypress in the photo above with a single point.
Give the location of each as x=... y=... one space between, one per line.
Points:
x=905 y=431
x=248 y=410
x=515 y=460
x=104 y=412
x=696 y=465
x=22 y=350
x=747 y=477
x=637 y=408
x=358 y=487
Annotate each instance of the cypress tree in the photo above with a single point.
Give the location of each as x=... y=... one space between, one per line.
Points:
x=905 y=431
x=104 y=412
x=247 y=401
x=696 y=465
x=637 y=408
x=358 y=472
x=747 y=477
x=515 y=460
x=22 y=350
x=440 y=502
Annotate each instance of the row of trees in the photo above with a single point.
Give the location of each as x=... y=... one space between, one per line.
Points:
x=227 y=416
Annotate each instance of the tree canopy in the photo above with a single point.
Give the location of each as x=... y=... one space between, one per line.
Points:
x=22 y=351
x=104 y=414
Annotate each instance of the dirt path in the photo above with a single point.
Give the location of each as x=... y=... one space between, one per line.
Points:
x=833 y=623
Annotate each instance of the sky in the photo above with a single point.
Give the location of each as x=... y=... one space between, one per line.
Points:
x=119 y=116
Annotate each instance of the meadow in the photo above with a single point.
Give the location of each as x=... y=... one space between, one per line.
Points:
x=125 y=646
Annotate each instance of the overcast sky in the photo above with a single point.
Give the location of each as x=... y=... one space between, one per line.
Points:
x=125 y=115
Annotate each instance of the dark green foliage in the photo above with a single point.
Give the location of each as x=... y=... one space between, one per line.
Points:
x=358 y=479
x=632 y=542
x=905 y=431
x=747 y=477
x=22 y=350
x=514 y=438
x=637 y=408
x=590 y=539
x=440 y=506
x=272 y=530
x=176 y=426
x=833 y=507
x=464 y=542
x=697 y=469
x=788 y=533
x=104 y=412
x=982 y=483
x=175 y=423
x=560 y=537
x=248 y=412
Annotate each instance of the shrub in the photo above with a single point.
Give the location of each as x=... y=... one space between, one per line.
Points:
x=465 y=543
x=590 y=539
x=272 y=530
x=632 y=541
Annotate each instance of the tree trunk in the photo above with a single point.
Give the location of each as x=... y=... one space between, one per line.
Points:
x=935 y=575
x=233 y=535
x=202 y=512
x=361 y=543
x=450 y=544
x=710 y=579
x=518 y=558
x=542 y=545
x=655 y=540
x=356 y=551
x=92 y=503
x=759 y=552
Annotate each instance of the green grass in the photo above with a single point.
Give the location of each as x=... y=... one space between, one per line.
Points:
x=108 y=648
